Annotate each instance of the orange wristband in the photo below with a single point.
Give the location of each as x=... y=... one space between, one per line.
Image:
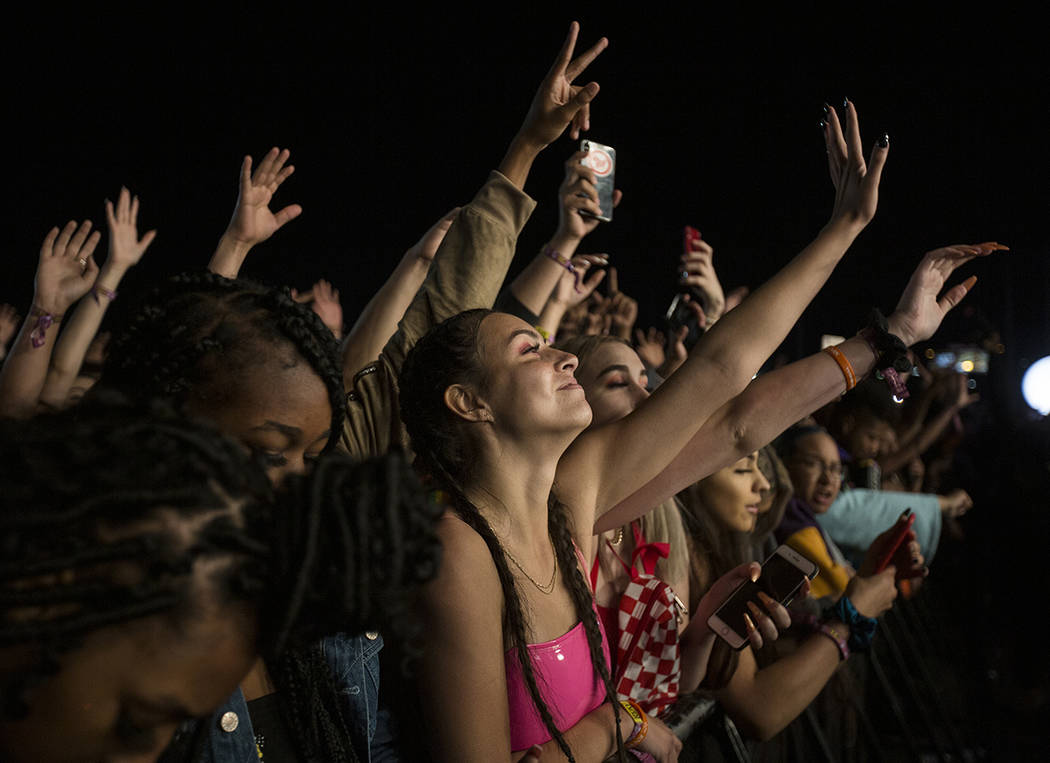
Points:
x=844 y=366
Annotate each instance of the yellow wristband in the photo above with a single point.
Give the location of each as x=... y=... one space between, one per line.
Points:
x=641 y=722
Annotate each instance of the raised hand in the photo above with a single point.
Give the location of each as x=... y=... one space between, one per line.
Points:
x=576 y=287
x=252 y=221
x=125 y=246
x=856 y=181
x=327 y=306
x=426 y=248
x=698 y=273
x=578 y=194
x=66 y=270
x=919 y=312
x=650 y=346
x=558 y=102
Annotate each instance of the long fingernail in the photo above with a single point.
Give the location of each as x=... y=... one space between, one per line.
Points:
x=884 y=140
x=766 y=598
x=845 y=103
x=748 y=623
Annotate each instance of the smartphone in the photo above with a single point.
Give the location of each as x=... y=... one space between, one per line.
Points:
x=601 y=159
x=783 y=573
x=895 y=541
x=678 y=312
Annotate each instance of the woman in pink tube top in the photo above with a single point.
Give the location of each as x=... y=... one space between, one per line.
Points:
x=497 y=421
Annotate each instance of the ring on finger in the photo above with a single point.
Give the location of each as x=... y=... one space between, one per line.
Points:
x=83 y=262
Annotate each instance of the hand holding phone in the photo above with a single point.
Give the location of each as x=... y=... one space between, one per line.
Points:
x=754 y=612
x=900 y=532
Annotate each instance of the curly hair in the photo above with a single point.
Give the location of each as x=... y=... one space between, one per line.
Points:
x=447 y=355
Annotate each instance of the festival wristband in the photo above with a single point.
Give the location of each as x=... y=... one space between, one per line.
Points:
x=641 y=722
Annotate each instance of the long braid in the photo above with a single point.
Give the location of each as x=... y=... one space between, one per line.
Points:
x=515 y=619
x=85 y=506
x=583 y=599
x=357 y=541
x=446 y=356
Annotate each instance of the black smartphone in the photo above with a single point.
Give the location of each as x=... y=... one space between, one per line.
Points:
x=783 y=573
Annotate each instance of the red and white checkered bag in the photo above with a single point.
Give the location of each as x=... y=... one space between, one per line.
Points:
x=647 y=654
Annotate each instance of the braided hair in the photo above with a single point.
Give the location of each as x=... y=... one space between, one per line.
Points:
x=344 y=549
x=448 y=355
x=198 y=328
x=109 y=488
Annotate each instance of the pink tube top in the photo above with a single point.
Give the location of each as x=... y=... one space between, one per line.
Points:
x=567 y=683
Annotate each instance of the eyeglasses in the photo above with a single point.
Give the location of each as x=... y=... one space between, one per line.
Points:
x=814 y=464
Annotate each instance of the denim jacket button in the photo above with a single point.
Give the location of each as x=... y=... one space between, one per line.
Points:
x=371 y=635
x=229 y=722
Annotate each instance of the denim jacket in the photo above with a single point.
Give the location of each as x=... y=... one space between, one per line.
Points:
x=354 y=662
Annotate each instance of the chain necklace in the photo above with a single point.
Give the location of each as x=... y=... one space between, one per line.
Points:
x=547 y=589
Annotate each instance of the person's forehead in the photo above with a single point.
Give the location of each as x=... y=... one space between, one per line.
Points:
x=818 y=444
x=496 y=329
x=607 y=355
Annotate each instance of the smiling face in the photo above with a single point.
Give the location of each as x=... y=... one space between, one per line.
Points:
x=122 y=693
x=279 y=409
x=733 y=494
x=816 y=470
x=527 y=386
x=614 y=380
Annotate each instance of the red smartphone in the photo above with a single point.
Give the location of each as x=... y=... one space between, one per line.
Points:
x=690 y=235
x=895 y=541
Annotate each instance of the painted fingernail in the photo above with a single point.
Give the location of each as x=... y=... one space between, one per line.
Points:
x=884 y=140
x=845 y=102
x=748 y=624
x=766 y=598
x=754 y=608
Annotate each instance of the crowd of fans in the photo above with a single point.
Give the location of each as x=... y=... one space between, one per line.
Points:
x=486 y=521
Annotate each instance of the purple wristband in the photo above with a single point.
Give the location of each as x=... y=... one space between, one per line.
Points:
x=38 y=336
x=565 y=263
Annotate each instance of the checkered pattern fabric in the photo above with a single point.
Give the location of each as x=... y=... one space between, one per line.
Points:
x=648 y=666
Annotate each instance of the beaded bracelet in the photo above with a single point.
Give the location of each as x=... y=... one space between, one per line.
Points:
x=97 y=290
x=844 y=365
x=861 y=628
x=44 y=321
x=641 y=722
x=565 y=263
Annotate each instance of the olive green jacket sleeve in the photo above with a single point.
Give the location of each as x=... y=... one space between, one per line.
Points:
x=468 y=271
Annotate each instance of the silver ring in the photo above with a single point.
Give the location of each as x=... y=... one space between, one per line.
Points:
x=83 y=262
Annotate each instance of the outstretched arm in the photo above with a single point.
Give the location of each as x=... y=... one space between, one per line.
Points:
x=726 y=357
x=252 y=221
x=378 y=321
x=64 y=274
x=125 y=250
x=776 y=400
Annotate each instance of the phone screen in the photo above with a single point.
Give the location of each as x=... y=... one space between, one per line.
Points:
x=779 y=580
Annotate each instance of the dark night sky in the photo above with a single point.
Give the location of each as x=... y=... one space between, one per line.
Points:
x=394 y=117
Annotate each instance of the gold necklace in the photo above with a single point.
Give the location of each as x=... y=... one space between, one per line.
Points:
x=543 y=589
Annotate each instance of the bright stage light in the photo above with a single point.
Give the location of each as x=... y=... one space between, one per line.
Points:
x=1035 y=385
